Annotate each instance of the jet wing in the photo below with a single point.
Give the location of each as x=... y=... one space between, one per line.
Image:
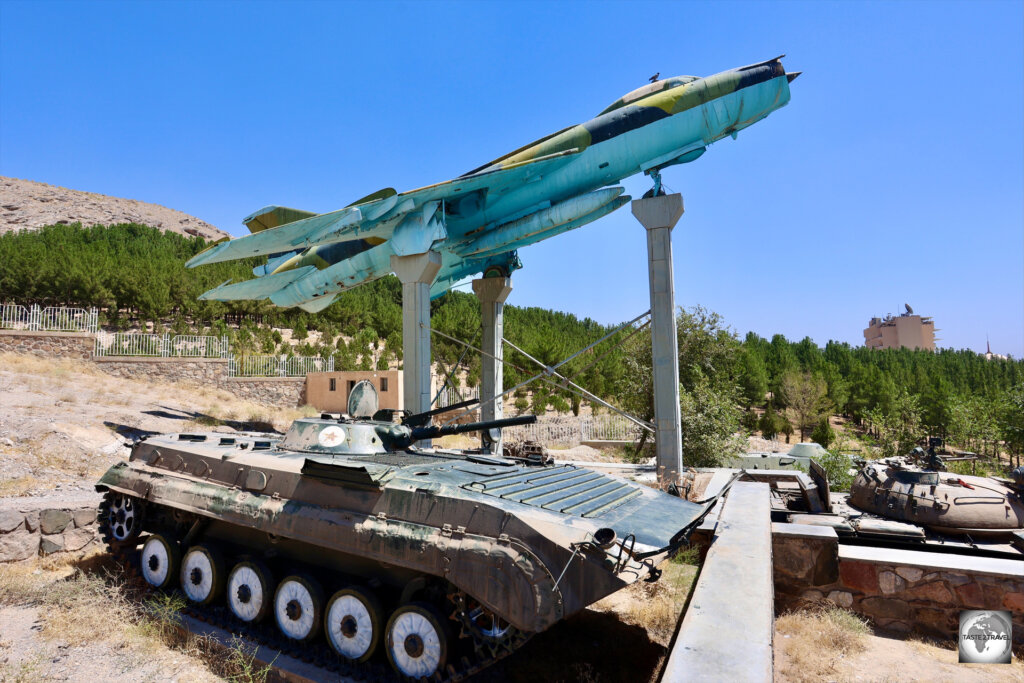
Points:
x=260 y=288
x=375 y=219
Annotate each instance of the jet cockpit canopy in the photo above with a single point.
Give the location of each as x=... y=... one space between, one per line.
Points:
x=649 y=89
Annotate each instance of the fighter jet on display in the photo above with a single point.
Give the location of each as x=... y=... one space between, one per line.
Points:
x=477 y=221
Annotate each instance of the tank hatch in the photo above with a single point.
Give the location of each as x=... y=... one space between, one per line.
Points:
x=566 y=489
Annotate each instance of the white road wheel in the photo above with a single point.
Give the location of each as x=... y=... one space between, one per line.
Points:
x=250 y=590
x=298 y=607
x=202 y=573
x=417 y=644
x=123 y=518
x=352 y=623
x=160 y=559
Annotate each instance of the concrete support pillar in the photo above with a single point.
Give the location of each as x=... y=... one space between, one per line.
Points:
x=659 y=215
x=492 y=292
x=416 y=272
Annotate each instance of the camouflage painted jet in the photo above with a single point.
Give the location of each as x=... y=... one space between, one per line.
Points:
x=478 y=220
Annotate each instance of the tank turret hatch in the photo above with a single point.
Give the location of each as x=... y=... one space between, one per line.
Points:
x=362 y=400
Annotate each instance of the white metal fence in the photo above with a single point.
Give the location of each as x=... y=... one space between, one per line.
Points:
x=275 y=366
x=448 y=396
x=49 y=319
x=160 y=345
x=572 y=430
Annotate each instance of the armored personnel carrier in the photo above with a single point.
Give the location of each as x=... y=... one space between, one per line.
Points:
x=345 y=539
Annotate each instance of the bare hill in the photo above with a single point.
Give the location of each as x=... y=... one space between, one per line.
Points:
x=28 y=205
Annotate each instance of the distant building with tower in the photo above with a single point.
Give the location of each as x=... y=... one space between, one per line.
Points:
x=904 y=331
x=988 y=352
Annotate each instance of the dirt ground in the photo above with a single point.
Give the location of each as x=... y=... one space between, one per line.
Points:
x=64 y=422
x=831 y=644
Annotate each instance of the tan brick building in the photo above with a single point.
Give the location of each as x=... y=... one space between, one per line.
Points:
x=328 y=391
x=903 y=331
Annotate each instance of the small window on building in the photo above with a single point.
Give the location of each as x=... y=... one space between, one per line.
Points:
x=334 y=384
x=351 y=385
x=383 y=383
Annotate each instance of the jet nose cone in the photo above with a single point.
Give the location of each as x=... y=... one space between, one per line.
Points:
x=790 y=77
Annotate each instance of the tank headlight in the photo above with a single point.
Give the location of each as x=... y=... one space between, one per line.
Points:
x=604 y=538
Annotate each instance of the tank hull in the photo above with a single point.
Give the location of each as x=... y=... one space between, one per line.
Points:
x=400 y=519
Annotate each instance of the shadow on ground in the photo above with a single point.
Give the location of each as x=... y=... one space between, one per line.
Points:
x=237 y=425
x=589 y=647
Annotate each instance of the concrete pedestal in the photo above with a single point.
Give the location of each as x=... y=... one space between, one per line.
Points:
x=416 y=272
x=659 y=215
x=492 y=292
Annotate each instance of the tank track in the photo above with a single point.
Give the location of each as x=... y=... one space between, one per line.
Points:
x=317 y=654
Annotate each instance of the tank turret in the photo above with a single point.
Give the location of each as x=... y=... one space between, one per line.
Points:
x=918 y=489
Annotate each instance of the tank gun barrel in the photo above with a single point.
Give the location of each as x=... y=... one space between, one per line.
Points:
x=435 y=432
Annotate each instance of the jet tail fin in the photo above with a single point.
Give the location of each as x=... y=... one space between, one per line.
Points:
x=317 y=305
x=274 y=217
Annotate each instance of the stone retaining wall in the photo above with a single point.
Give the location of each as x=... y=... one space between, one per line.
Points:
x=278 y=392
x=30 y=527
x=48 y=344
x=900 y=590
x=210 y=371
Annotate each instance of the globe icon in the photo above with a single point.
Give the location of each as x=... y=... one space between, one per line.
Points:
x=985 y=637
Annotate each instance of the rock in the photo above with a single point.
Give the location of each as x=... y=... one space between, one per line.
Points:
x=934 y=591
x=54 y=521
x=19 y=545
x=859 y=576
x=970 y=595
x=890 y=583
x=76 y=539
x=936 y=621
x=1014 y=602
x=51 y=544
x=32 y=520
x=84 y=517
x=812 y=596
x=955 y=579
x=910 y=573
x=10 y=520
x=841 y=598
x=886 y=608
x=894 y=625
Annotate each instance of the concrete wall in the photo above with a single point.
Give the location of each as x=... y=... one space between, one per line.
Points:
x=48 y=344
x=320 y=394
x=30 y=527
x=900 y=590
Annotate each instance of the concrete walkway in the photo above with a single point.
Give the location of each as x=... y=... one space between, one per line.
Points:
x=726 y=633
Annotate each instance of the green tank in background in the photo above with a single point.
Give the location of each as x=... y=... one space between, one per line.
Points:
x=346 y=542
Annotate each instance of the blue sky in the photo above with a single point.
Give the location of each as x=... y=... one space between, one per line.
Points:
x=896 y=173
